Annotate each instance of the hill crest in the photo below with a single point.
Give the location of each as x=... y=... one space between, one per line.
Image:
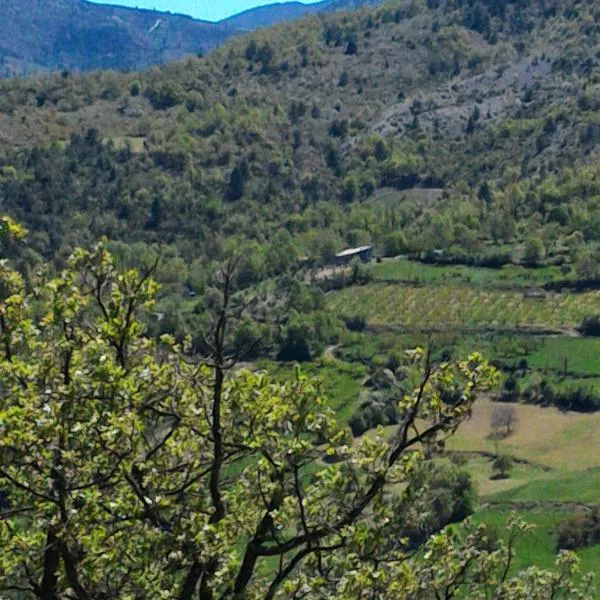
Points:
x=77 y=35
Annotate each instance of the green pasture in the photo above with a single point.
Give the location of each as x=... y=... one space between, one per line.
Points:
x=403 y=269
x=576 y=486
x=577 y=355
x=538 y=547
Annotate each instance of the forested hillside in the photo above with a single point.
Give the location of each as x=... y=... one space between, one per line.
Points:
x=77 y=35
x=296 y=141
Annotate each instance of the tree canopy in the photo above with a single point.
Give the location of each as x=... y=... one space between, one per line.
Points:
x=130 y=469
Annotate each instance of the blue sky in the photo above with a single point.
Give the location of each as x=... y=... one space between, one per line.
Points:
x=212 y=10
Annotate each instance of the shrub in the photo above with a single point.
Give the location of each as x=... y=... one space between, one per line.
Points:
x=355 y=323
x=590 y=326
x=502 y=466
x=580 y=531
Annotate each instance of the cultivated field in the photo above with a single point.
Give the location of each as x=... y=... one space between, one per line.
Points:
x=462 y=306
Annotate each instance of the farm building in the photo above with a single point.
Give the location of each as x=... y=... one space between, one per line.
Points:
x=365 y=253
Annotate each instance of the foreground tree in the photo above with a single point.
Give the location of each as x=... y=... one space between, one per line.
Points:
x=130 y=470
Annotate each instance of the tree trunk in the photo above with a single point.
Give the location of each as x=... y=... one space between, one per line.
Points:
x=48 y=587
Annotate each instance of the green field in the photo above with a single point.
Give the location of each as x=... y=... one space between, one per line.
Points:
x=565 y=443
x=577 y=355
x=577 y=486
x=537 y=548
x=462 y=306
x=402 y=269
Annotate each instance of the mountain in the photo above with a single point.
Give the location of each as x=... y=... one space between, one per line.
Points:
x=77 y=35
x=463 y=127
x=271 y=14
x=41 y=35
x=265 y=16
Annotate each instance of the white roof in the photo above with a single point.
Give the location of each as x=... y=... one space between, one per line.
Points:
x=351 y=251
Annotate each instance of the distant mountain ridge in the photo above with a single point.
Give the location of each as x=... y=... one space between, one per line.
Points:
x=45 y=35
x=271 y=14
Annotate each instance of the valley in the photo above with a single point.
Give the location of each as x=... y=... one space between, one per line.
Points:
x=260 y=414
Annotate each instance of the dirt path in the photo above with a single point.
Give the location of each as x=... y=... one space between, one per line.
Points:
x=329 y=353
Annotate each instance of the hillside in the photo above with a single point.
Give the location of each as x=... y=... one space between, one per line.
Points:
x=77 y=35
x=310 y=136
x=80 y=36
x=271 y=14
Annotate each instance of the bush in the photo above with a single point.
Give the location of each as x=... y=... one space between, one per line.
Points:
x=502 y=466
x=355 y=323
x=590 y=326
x=580 y=531
x=576 y=398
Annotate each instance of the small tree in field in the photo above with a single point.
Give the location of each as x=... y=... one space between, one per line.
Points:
x=502 y=466
x=132 y=470
x=504 y=418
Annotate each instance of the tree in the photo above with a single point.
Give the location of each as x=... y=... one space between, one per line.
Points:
x=165 y=96
x=502 y=466
x=237 y=181
x=381 y=151
x=394 y=244
x=504 y=417
x=534 y=251
x=590 y=326
x=511 y=390
x=133 y=470
x=351 y=48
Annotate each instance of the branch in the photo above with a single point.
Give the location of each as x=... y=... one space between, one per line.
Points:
x=26 y=488
x=283 y=575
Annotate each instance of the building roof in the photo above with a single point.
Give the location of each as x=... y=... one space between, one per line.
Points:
x=352 y=251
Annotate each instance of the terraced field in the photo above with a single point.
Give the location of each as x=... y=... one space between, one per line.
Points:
x=462 y=306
